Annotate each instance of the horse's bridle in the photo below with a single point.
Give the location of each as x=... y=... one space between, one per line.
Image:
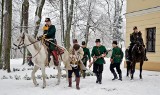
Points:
x=21 y=42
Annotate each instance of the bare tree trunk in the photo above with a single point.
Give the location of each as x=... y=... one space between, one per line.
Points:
x=62 y=22
x=7 y=33
x=88 y=22
x=25 y=8
x=21 y=28
x=68 y=28
x=38 y=16
x=109 y=16
x=1 y=65
x=87 y=31
x=66 y=7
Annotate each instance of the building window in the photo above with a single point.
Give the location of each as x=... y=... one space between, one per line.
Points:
x=151 y=38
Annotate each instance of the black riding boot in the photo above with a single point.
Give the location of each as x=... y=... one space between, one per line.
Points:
x=115 y=76
x=120 y=77
x=84 y=73
x=100 y=78
x=97 y=75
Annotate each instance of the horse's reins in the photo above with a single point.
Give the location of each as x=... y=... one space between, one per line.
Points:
x=22 y=40
x=55 y=45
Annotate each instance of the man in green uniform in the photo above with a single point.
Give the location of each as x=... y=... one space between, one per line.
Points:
x=116 y=59
x=98 y=53
x=50 y=35
x=86 y=56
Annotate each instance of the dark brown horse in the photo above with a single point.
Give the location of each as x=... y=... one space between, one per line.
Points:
x=138 y=55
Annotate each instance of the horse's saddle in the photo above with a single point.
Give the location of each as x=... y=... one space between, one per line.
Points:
x=59 y=50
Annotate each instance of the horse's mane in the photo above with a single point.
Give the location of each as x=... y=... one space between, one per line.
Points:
x=32 y=39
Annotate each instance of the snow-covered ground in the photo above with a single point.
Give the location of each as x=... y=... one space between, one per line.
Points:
x=150 y=84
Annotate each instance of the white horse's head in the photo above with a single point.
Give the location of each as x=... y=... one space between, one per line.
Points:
x=19 y=42
x=25 y=39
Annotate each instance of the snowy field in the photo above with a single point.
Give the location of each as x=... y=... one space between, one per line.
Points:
x=149 y=85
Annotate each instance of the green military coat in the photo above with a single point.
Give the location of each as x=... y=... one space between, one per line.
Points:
x=117 y=55
x=51 y=35
x=98 y=51
x=86 y=55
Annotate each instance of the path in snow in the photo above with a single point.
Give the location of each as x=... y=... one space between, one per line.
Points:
x=149 y=85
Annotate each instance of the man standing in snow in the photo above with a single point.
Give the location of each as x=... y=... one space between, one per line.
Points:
x=75 y=54
x=86 y=56
x=98 y=53
x=116 y=59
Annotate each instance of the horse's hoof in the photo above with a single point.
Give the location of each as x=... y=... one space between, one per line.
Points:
x=43 y=87
x=36 y=85
x=57 y=83
x=140 y=77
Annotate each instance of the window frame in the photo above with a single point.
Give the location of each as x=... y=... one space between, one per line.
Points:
x=152 y=39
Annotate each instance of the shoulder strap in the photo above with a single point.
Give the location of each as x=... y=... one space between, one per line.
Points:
x=98 y=51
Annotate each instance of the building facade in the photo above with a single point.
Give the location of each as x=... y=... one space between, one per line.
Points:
x=145 y=14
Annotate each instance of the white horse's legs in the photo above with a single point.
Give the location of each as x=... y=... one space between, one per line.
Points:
x=33 y=75
x=59 y=74
x=43 y=77
x=66 y=69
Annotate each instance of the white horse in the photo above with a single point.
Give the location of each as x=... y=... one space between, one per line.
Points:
x=40 y=57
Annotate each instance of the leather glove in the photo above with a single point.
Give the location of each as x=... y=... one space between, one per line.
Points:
x=43 y=36
x=90 y=65
x=111 y=60
x=39 y=38
x=103 y=55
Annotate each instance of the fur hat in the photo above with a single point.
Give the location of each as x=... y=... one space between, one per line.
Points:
x=83 y=43
x=114 y=42
x=98 y=40
x=47 y=19
x=135 y=27
x=75 y=41
x=76 y=47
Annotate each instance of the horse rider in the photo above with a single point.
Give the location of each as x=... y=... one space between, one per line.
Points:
x=49 y=34
x=86 y=56
x=135 y=38
x=98 y=53
x=76 y=54
x=116 y=59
